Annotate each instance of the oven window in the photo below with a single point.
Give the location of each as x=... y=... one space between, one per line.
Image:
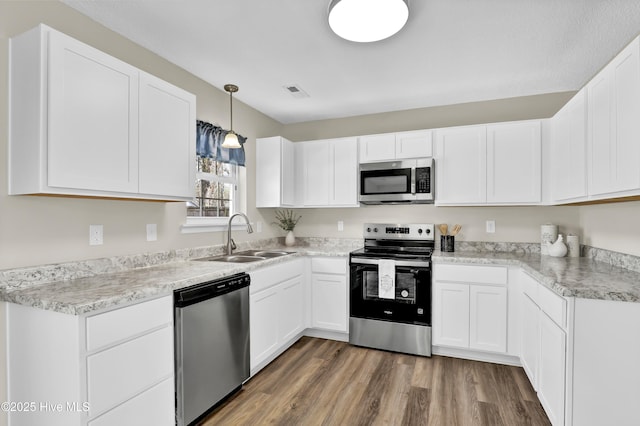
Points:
x=405 y=286
x=385 y=185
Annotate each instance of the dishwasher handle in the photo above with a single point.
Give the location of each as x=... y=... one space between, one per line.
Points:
x=210 y=289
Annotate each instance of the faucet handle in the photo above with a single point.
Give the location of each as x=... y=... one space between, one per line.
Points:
x=233 y=245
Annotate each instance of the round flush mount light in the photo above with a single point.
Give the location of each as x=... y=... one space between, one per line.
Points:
x=367 y=20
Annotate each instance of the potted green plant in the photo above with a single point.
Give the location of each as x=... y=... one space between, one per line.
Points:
x=287 y=220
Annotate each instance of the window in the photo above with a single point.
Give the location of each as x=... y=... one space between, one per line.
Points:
x=216 y=189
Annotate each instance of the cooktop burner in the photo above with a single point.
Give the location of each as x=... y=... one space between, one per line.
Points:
x=398 y=241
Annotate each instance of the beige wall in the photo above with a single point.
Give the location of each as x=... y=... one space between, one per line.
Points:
x=613 y=226
x=37 y=230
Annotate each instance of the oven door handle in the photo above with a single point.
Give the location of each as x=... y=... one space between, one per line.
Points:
x=366 y=261
x=413 y=181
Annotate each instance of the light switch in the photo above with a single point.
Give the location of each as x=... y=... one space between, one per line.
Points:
x=340 y=225
x=491 y=226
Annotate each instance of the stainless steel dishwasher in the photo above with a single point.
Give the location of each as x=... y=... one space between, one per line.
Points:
x=211 y=345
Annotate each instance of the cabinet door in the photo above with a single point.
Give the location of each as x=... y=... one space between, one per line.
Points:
x=414 y=144
x=551 y=369
x=451 y=314
x=317 y=172
x=514 y=155
x=287 y=174
x=264 y=313
x=569 y=150
x=269 y=155
x=167 y=139
x=344 y=179
x=329 y=307
x=92 y=118
x=626 y=109
x=461 y=165
x=377 y=147
x=290 y=311
x=488 y=318
x=530 y=344
x=599 y=133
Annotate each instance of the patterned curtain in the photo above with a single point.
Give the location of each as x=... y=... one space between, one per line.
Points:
x=209 y=144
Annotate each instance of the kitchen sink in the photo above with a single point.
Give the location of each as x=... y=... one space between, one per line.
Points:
x=246 y=256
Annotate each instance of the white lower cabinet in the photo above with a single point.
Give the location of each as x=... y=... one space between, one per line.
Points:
x=544 y=346
x=276 y=306
x=470 y=307
x=115 y=367
x=329 y=294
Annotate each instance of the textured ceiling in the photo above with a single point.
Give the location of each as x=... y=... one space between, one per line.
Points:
x=450 y=51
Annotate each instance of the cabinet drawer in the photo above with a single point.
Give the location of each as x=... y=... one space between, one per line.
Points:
x=118 y=325
x=471 y=274
x=152 y=407
x=553 y=305
x=264 y=278
x=329 y=265
x=121 y=372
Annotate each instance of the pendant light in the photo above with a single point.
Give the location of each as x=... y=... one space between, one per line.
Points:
x=231 y=139
x=367 y=20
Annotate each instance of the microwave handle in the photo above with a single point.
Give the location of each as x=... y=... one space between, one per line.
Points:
x=413 y=181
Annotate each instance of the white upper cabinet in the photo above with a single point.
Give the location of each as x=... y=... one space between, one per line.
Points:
x=489 y=164
x=514 y=163
x=275 y=168
x=86 y=124
x=461 y=165
x=396 y=146
x=330 y=173
x=569 y=151
x=167 y=122
x=614 y=127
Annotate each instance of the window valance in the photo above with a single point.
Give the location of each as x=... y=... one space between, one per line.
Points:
x=209 y=144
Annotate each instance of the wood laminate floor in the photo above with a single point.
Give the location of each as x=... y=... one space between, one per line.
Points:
x=324 y=382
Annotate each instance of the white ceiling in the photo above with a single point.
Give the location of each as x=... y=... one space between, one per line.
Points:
x=450 y=51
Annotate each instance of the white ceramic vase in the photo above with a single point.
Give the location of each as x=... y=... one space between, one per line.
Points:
x=558 y=249
x=290 y=239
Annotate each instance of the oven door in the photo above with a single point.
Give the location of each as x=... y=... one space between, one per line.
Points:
x=412 y=301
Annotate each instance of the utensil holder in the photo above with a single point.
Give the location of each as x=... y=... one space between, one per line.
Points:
x=447 y=243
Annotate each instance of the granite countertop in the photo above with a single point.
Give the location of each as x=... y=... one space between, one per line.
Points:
x=79 y=296
x=76 y=294
x=571 y=277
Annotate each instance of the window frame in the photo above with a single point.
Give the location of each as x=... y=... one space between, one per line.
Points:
x=196 y=224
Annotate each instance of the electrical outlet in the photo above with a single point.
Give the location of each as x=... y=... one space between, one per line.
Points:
x=259 y=226
x=491 y=226
x=152 y=232
x=95 y=235
x=340 y=225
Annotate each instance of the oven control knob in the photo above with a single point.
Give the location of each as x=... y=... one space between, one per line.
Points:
x=404 y=293
x=368 y=229
x=420 y=231
x=375 y=229
x=428 y=231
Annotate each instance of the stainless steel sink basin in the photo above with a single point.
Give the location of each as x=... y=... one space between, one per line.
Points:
x=265 y=253
x=246 y=256
x=232 y=258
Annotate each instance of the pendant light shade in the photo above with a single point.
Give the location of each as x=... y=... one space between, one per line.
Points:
x=231 y=139
x=367 y=20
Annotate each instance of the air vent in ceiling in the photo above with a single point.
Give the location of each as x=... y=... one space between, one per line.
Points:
x=296 y=91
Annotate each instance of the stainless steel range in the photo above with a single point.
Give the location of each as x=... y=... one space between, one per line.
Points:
x=390 y=285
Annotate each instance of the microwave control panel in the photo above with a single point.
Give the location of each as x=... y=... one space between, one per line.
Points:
x=423 y=180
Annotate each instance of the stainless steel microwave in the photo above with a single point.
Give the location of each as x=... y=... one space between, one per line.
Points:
x=397 y=182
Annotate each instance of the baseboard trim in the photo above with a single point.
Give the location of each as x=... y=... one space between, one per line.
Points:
x=327 y=334
x=477 y=355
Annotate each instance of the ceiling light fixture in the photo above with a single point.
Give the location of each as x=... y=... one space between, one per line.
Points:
x=367 y=20
x=231 y=139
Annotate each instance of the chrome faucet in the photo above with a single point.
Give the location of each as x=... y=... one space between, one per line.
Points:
x=230 y=243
